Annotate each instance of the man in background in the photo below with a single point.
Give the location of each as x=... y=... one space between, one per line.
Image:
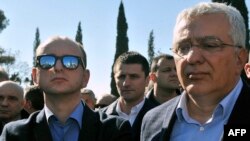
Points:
x=33 y=97
x=131 y=71
x=11 y=102
x=105 y=100
x=89 y=97
x=164 y=79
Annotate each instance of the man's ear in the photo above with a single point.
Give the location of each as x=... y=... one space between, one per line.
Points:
x=242 y=58
x=247 y=70
x=86 y=75
x=34 y=75
x=152 y=77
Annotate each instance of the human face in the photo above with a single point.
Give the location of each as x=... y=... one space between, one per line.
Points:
x=58 y=79
x=203 y=73
x=130 y=82
x=11 y=103
x=165 y=76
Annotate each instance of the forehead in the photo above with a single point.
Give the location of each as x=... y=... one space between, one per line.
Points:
x=7 y=90
x=163 y=62
x=204 y=25
x=129 y=69
x=59 y=48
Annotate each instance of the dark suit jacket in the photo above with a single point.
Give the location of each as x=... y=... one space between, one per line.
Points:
x=96 y=126
x=136 y=127
x=158 y=123
x=24 y=115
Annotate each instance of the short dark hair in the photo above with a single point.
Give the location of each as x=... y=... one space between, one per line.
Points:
x=154 y=66
x=35 y=95
x=132 y=57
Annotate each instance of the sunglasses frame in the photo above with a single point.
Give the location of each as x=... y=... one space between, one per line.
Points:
x=38 y=59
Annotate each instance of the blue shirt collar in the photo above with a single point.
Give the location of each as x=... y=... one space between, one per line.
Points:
x=224 y=108
x=77 y=114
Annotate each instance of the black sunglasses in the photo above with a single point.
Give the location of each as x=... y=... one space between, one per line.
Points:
x=68 y=61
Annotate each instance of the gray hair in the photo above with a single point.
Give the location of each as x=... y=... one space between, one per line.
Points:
x=238 y=29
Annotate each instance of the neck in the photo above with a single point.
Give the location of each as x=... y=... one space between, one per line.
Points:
x=163 y=95
x=201 y=110
x=62 y=107
x=127 y=105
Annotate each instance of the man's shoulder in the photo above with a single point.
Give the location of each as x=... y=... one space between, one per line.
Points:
x=22 y=123
x=113 y=127
x=20 y=128
x=163 y=109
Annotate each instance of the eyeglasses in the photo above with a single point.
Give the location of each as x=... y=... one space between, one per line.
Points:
x=209 y=44
x=68 y=61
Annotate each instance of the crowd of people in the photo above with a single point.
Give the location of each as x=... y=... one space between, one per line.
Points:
x=195 y=94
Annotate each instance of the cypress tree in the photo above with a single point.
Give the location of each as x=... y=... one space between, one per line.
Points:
x=151 y=52
x=121 y=43
x=36 y=43
x=78 y=37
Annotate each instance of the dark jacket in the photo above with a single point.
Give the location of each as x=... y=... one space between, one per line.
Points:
x=158 y=123
x=136 y=127
x=96 y=126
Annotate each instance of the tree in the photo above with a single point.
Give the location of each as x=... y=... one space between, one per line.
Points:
x=36 y=43
x=151 y=48
x=4 y=22
x=79 y=34
x=121 y=43
x=4 y=59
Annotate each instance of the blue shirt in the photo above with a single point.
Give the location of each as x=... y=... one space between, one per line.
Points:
x=69 y=131
x=188 y=129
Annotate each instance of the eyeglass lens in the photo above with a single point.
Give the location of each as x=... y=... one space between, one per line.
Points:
x=49 y=61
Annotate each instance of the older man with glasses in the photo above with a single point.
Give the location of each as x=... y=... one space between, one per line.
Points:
x=209 y=52
x=61 y=72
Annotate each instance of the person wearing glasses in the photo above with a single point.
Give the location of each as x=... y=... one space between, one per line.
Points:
x=209 y=52
x=105 y=100
x=61 y=72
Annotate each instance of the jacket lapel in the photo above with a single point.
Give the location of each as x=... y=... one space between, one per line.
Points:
x=111 y=109
x=170 y=119
x=90 y=125
x=41 y=128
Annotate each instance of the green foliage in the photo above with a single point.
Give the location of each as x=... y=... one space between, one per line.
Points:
x=3 y=21
x=151 y=52
x=6 y=59
x=79 y=34
x=36 y=43
x=121 y=43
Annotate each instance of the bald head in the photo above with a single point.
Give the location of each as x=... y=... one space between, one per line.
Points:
x=11 y=87
x=61 y=41
x=11 y=101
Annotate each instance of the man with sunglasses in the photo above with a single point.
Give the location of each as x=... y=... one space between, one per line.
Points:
x=61 y=72
x=209 y=52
